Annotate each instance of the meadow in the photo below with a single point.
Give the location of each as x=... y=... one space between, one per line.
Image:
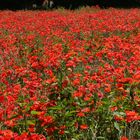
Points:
x=70 y=75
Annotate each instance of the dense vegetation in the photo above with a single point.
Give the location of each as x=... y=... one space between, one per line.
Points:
x=67 y=77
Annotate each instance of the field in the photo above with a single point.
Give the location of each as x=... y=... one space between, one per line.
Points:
x=70 y=75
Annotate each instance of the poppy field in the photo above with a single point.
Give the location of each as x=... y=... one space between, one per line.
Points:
x=70 y=75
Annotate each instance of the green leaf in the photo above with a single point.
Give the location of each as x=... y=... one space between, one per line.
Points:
x=69 y=114
x=27 y=108
x=119 y=113
x=116 y=125
x=33 y=112
x=30 y=122
x=56 y=108
x=100 y=138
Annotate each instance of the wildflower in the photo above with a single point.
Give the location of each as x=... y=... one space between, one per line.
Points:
x=84 y=126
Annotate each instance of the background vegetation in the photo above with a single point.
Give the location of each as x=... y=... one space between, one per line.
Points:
x=68 y=4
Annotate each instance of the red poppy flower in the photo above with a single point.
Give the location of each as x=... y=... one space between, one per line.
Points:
x=84 y=126
x=123 y=138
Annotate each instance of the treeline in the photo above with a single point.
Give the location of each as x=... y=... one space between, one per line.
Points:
x=101 y=3
x=69 y=4
x=19 y=4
